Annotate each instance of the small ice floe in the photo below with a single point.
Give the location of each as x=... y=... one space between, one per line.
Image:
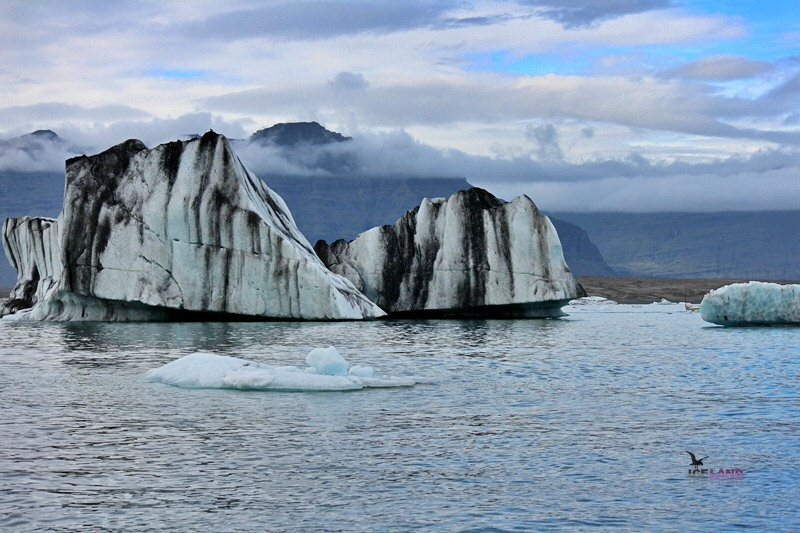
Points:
x=752 y=304
x=664 y=301
x=592 y=300
x=327 y=371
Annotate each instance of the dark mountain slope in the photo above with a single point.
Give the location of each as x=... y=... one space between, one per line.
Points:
x=333 y=208
x=751 y=245
x=292 y=133
x=580 y=253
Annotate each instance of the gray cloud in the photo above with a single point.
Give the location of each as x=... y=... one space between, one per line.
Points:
x=768 y=179
x=580 y=13
x=317 y=19
x=41 y=153
x=347 y=81
x=792 y=120
x=789 y=89
x=720 y=68
x=291 y=19
x=55 y=112
x=489 y=20
x=35 y=152
x=545 y=137
x=652 y=104
x=772 y=190
x=151 y=132
x=398 y=154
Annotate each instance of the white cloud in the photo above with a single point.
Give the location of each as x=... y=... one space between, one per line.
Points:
x=772 y=190
x=37 y=153
x=638 y=102
x=436 y=87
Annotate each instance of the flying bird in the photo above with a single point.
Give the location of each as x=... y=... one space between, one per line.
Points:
x=695 y=460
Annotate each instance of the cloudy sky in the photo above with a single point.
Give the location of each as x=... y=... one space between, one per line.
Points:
x=634 y=105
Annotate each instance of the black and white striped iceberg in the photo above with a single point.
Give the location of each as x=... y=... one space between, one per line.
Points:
x=467 y=255
x=158 y=234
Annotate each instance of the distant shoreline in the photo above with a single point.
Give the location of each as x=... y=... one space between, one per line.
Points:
x=635 y=290
x=648 y=290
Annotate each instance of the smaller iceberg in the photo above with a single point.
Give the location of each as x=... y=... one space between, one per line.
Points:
x=327 y=371
x=752 y=304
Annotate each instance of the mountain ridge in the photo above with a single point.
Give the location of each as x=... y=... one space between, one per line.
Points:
x=728 y=244
x=294 y=133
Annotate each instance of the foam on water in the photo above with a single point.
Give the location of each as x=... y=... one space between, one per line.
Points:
x=327 y=371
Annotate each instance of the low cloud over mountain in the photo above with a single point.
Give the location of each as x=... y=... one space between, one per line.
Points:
x=767 y=179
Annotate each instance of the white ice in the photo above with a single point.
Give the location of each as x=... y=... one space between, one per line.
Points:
x=592 y=300
x=327 y=361
x=752 y=304
x=597 y=304
x=213 y=371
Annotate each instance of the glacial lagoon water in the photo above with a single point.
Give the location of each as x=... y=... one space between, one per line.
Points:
x=574 y=424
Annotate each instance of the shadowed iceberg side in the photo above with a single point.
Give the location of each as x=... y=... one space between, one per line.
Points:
x=184 y=227
x=469 y=255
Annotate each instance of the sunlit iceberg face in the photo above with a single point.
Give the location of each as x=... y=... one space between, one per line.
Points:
x=327 y=371
x=752 y=304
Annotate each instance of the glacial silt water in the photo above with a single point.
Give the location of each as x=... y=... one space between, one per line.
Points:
x=578 y=423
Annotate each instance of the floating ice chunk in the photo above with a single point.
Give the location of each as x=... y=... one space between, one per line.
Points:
x=300 y=381
x=207 y=370
x=196 y=370
x=327 y=361
x=592 y=300
x=752 y=304
x=361 y=371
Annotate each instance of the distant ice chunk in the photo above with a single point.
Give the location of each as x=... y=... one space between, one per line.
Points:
x=592 y=300
x=752 y=304
x=213 y=371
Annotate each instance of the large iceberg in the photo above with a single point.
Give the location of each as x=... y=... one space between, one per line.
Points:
x=752 y=304
x=151 y=234
x=468 y=255
x=327 y=371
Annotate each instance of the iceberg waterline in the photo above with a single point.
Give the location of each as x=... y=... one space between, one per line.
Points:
x=327 y=370
x=752 y=304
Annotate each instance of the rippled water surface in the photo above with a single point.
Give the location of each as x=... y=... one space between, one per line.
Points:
x=578 y=423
